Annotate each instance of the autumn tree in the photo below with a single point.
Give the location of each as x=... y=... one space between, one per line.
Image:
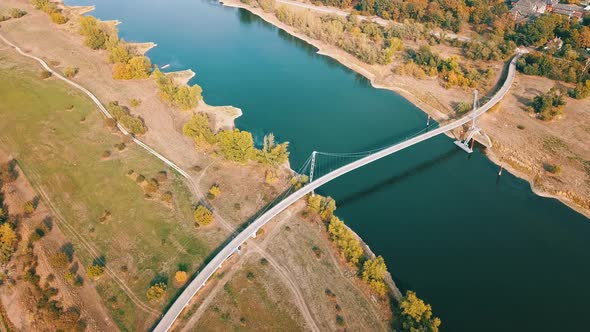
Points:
x=156 y=292
x=214 y=191
x=374 y=271
x=181 y=277
x=548 y=105
x=416 y=315
x=7 y=241
x=95 y=271
x=273 y=154
x=203 y=216
x=236 y=145
x=95 y=37
x=345 y=240
x=198 y=128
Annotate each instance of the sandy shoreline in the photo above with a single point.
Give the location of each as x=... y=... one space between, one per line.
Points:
x=327 y=50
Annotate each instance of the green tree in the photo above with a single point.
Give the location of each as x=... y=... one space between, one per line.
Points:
x=7 y=242
x=203 y=216
x=236 y=145
x=548 y=105
x=581 y=91
x=416 y=315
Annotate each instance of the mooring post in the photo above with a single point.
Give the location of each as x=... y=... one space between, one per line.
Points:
x=311 y=170
x=501 y=169
x=428 y=121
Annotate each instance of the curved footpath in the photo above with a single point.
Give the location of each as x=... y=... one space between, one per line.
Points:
x=199 y=281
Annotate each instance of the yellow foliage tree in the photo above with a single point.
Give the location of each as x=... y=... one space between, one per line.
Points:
x=95 y=271
x=7 y=241
x=156 y=292
x=417 y=315
x=181 y=277
x=203 y=216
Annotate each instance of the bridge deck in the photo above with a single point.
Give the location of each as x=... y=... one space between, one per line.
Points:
x=181 y=302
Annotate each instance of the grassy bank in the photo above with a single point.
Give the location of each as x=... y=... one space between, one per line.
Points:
x=61 y=142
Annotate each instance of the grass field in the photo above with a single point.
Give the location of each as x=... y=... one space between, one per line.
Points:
x=253 y=300
x=60 y=148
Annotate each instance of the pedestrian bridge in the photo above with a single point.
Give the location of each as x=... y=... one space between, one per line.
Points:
x=359 y=160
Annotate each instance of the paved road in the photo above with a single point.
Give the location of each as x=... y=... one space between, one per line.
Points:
x=182 y=301
x=382 y=22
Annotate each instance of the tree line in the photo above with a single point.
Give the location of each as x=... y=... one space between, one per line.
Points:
x=236 y=145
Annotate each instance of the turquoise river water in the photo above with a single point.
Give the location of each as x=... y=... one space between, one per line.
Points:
x=488 y=255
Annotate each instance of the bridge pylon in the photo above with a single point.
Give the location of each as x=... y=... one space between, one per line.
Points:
x=473 y=130
x=312 y=167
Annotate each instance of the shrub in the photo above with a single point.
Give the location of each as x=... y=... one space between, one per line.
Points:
x=135 y=102
x=548 y=105
x=215 y=191
x=69 y=277
x=183 y=97
x=551 y=168
x=203 y=216
x=70 y=72
x=106 y=154
x=28 y=207
x=122 y=114
x=59 y=260
x=45 y=74
x=140 y=178
x=263 y=261
x=581 y=91
x=267 y=5
x=181 y=277
x=39 y=4
x=96 y=38
x=17 y=13
x=58 y=18
x=95 y=271
x=156 y=292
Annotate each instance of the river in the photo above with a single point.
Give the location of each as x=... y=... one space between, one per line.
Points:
x=487 y=253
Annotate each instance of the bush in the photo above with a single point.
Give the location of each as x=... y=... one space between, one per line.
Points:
x=183 y=97
x=17 y=13
x=156 y=292
x=203 y=216
x=28 y=207
x=95 y=271
x=45 y=74
x=548 y=105
x=551 y=168
x=215 y=191
x=581 y=91
x=123 y=115
x=135 y=102
x=59 y=260
x=70 y=72
x=58 y=18
x=181 y=277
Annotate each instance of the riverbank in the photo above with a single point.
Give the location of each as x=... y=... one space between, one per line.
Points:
x=516 y=149
x=61 y=47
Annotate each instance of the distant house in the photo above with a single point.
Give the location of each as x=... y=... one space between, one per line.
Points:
x=569 y=10
x=523 y=10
